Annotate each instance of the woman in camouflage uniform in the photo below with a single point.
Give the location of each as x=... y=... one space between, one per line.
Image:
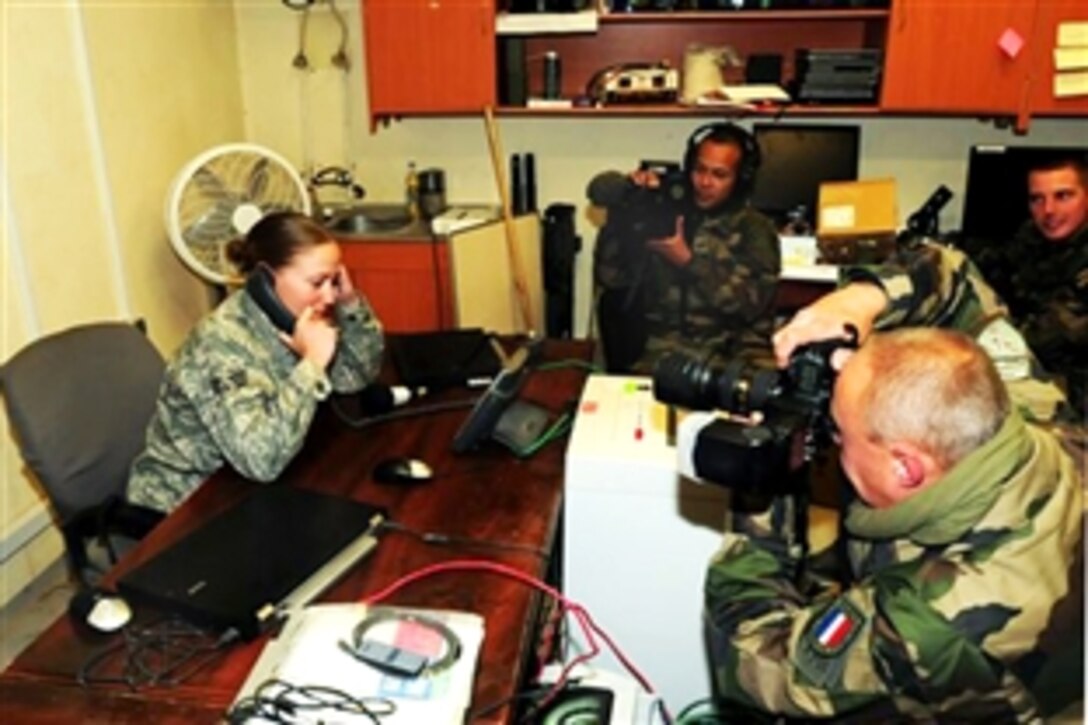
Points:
x=242 y=389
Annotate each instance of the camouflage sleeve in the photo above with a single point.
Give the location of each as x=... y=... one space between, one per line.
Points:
x=932 y=285
x=777 y=647
x=1062 y=321
x=257 y=422
x=359 y=349
x=737 y=268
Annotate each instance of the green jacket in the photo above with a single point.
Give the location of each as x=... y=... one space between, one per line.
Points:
x=235 y=394
x=966 y=602
x=721 y=305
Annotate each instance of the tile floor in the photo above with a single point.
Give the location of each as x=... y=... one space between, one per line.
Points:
x=31 y=611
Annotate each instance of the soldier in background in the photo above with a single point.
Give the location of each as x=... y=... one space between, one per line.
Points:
x=1042 y=272
x=707 y=290
x=965 y=545
x=243 y=388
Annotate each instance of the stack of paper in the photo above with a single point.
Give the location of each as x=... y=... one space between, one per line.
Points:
x=744 y=95
x=1071 y=60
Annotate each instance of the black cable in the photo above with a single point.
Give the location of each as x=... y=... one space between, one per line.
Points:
x=279 y=701
x=488 y=709
x=162 y=654
x=437 y=539
x=366 y=422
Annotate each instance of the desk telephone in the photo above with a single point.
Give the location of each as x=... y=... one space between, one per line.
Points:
x=261 y=286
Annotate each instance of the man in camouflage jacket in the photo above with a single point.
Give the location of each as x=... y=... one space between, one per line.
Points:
x=236 y=394
x=1042 y=272
x=707 y=290
x=966 y=602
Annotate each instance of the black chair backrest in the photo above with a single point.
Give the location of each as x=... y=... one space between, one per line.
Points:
x=79 y=402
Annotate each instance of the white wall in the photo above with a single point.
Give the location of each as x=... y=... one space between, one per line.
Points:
x=102 y=104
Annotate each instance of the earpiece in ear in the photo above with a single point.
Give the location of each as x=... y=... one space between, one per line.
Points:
x=902 y=474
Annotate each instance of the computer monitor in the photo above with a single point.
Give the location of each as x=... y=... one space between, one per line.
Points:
x=995 y=203
x=796 y=159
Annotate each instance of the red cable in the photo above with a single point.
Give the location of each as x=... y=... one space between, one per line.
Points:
x=589 y=627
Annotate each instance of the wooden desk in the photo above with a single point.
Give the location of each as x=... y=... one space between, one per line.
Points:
x=489 y=496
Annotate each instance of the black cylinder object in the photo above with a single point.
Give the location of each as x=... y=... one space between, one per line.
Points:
x=517 y=186
x=432 y=192
x=529 y=185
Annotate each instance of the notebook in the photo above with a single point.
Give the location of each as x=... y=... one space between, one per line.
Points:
x=444 y=358
x=273 y=552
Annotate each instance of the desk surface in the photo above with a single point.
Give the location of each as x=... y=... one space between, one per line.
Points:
x=489 y=496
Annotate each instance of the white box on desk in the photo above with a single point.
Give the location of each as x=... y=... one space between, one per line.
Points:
x=637 y=537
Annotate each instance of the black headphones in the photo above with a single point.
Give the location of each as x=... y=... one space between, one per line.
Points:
x=724 y=132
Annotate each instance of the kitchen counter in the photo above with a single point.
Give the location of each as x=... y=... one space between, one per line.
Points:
x=391 y=222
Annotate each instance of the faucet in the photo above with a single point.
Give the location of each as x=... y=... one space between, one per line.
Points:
x=332 y=176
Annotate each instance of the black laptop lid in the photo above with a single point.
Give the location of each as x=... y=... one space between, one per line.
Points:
x=444 y=358
x=234 y=568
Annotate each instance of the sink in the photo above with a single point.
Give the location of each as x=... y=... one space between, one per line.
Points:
x=370 y=219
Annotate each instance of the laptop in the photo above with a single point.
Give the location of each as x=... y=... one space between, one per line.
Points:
x=275 y=551
x=444 y=358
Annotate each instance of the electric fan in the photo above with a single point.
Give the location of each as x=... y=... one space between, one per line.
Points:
x=219 y=195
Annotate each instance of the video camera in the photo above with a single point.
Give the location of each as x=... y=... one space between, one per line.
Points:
x=641 y=212
x=769 y=422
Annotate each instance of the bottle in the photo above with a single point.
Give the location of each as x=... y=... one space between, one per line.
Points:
x=411 y=190
x=552 y=75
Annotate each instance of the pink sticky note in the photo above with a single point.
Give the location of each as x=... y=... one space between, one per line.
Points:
x=1011 y=42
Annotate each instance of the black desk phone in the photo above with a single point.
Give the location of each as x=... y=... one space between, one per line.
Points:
x=261 y=286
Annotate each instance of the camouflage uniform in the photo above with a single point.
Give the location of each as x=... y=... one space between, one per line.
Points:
x=940 y=286
x=1045 y=284
x=721 y=304
x=235 y=394
x=966 y=602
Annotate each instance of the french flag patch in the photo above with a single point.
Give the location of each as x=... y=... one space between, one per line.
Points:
x=835 y=628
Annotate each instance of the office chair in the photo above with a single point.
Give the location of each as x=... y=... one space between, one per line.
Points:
x=79 y=402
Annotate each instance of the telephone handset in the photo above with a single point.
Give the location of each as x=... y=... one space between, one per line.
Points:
x=261 y=286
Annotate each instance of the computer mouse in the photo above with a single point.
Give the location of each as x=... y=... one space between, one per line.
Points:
x=100 y=610
x=402 y=470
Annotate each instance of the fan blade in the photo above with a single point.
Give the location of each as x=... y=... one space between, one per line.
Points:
x=209 y=184
x=258 y=179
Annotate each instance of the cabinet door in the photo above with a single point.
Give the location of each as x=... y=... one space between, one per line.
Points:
x=429 y=55
x=944 y=56
x=406 y=282
x=1050 y=15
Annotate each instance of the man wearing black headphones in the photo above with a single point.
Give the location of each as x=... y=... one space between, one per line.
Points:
x=709 y=288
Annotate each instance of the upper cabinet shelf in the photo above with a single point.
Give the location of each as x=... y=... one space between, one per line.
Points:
x=440 y=57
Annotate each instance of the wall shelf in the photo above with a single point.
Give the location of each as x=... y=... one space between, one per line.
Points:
x=726 y=16
x=680 y=110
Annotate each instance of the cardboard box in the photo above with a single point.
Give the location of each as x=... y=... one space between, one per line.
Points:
x=857 y=209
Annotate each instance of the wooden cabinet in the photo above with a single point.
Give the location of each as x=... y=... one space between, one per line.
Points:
x=941 y=57
x=946 y=57
x=419 y=283
x=429 y=56
x=405 y=280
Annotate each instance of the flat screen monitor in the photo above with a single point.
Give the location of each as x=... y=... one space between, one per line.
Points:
x=796 y=159
x=995 y=203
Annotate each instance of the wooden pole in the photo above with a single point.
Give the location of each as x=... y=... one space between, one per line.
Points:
x=517 y=268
